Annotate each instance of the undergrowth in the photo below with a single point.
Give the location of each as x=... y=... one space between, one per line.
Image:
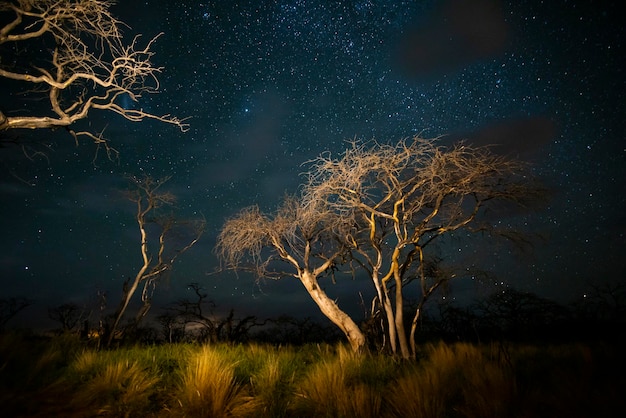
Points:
x=64 y=377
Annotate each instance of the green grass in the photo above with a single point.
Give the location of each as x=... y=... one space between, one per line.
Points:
x=272 y=385
x=63 y=377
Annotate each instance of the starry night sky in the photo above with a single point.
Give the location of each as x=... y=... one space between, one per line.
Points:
x=268 y=85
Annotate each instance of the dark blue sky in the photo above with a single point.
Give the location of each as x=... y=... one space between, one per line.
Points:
x=269 y=85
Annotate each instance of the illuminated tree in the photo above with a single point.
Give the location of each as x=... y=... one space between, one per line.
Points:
x=377 y=209
x=71 y=55
x=404 y=197
x=298 y=241
x=162 y=240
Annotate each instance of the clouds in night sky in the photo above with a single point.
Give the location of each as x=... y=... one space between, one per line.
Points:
x=458 y=32
x=269 y=85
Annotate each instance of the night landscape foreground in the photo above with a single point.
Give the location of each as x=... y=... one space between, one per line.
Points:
x=511 y=354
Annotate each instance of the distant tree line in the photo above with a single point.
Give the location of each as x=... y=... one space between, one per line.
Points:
x=514 y=315
x=507 y=315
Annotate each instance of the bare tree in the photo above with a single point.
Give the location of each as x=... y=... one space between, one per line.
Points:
x=72 y=54
x=194 y=312
x=10 y=307
x=203 y=325
x=515 y=315
x=172 y=326
x=298 y=241
x=163 y=240
x=69 y=315
x=377 y=208
x=404 y=197
x=603 y=301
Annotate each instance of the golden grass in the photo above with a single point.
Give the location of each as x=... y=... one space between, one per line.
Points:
x=208 y=387
x=120 y=389
x=186 y=380
x=459 y=377
x=333 y=388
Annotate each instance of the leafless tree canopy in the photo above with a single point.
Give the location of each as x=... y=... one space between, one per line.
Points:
x=301 y=235
x=68 y=315
x=82 y=63
x=404 y=196
x=378 y=208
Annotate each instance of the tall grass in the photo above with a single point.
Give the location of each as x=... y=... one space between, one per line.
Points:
x=120 y=389
x=208 y=387
x=573 y=380
x=116 y=383
x=460 y=379
x=273 y=384
x=62 y=378
x=28 y=365
x=338 y=387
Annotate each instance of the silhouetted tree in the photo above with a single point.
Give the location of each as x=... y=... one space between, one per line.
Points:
x=69 y=315
x=604 y=301
x=297 y=331
x=196 y=317
x=457 y=323
x=233 y=329
x=515 y=314
x=10 y=307
x=172 y=326
x=198 y=312
x=72 y=56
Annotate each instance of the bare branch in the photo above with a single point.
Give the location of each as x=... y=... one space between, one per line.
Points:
x=404 y=196
x=90 y=67
x=378 y=206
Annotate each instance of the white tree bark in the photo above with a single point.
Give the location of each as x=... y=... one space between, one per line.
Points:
x=330 y=309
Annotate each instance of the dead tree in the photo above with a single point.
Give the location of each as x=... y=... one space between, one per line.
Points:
x=160 y=246
x=196 y=313
x=72 y=56
x=10 y=307
x=69 y=315
x=192 y=315
x=377 y=208
x=297 y=242
x=404 y=197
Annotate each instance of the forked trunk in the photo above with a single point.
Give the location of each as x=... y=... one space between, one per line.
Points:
x=385 y=302
x=331 y=310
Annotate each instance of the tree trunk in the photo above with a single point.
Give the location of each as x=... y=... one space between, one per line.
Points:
x=391 y=322
x=385 y=303
x=128 y=294
x=416 y=318
x=404 y=346
x=330 y=309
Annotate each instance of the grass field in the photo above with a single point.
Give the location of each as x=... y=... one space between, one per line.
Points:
x=63 y=377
